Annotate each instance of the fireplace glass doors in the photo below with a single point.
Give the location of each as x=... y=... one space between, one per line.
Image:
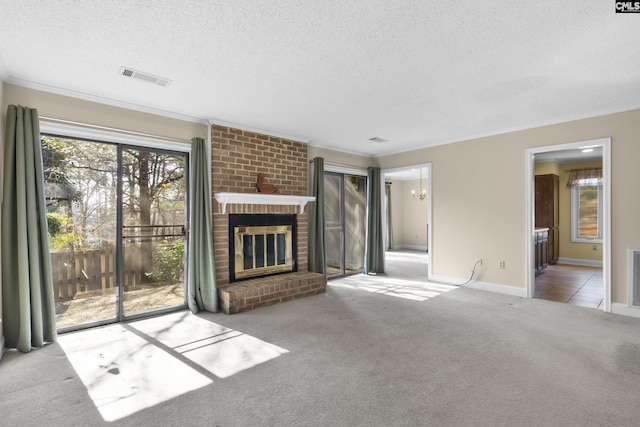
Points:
x=261 y=245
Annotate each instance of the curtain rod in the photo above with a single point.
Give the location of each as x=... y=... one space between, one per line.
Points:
x=110 y=129
x=341 y=165
x=337 y=164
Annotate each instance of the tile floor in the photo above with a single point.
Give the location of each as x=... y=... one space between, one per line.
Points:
x=571 y=284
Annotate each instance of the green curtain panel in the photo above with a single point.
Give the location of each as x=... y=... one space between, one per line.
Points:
x=201 y=280
x=28 y=304
x=374 y=252
x=317 y=262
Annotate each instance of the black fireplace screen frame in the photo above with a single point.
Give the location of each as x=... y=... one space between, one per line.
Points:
x=254 y=220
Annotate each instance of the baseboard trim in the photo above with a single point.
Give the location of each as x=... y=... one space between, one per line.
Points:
x=500 y=289
x=413 y=247
x=625 y=310
x=584 y=262
x=483 y=286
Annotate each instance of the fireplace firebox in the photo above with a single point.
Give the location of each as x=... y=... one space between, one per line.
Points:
x=261 y=245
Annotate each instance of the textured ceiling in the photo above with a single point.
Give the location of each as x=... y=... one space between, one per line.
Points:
x=336 y=72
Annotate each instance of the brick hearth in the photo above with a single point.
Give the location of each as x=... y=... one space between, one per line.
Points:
x=255 y=293
x=237 y=156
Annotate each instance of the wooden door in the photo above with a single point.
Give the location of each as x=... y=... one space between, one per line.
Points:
x=546 y=211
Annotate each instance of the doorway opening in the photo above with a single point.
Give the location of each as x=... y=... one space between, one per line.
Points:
x=117 y=219
x=568 y=223
x=407 y=224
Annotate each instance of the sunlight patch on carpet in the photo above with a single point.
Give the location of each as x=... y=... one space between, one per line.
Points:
x=418 y=257
x=400 y=288
x=130 y=367
x=124 y=373
x=221 y=351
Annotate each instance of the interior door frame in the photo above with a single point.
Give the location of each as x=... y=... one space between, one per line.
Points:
x=429 y=219
x=605 y=143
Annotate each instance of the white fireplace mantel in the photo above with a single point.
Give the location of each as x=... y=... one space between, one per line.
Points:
x=262 y=199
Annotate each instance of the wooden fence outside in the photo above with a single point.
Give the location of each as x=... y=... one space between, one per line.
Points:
x=91 y=272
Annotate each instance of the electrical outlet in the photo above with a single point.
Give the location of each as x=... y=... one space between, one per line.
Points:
x=502 y=264
x=479 y=262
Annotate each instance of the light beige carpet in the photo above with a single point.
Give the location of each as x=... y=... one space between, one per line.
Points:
x=386 y=350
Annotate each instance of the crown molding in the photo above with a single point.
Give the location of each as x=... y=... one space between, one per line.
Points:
x=106 y=101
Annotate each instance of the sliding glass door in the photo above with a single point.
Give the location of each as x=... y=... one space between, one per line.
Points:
x=116 y=220
x=153 y=212
x=80 y=188
x=345 y=222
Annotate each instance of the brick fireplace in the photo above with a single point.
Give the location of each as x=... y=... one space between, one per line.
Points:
x=237 y=156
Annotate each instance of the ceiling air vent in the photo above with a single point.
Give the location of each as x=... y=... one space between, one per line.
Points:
x=378 y=139
x=150 y=78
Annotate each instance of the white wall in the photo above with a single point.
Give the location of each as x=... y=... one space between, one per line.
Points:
x=479 y=197
x=478 y=185
x=339 y=158
x=87 y=112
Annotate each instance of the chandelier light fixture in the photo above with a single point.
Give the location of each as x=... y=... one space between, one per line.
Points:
x=422 y=192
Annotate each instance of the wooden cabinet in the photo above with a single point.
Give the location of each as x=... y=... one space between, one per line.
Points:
x=546 y=212
x=541 y=248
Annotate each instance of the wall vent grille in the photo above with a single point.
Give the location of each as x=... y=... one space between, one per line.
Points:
x=150 y=78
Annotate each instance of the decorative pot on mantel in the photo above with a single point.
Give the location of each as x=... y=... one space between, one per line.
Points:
x=263 y=187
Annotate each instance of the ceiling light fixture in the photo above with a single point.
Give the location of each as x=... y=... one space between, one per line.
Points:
x=422 y=193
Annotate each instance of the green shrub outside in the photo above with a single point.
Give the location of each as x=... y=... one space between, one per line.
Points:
x=168 y=262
